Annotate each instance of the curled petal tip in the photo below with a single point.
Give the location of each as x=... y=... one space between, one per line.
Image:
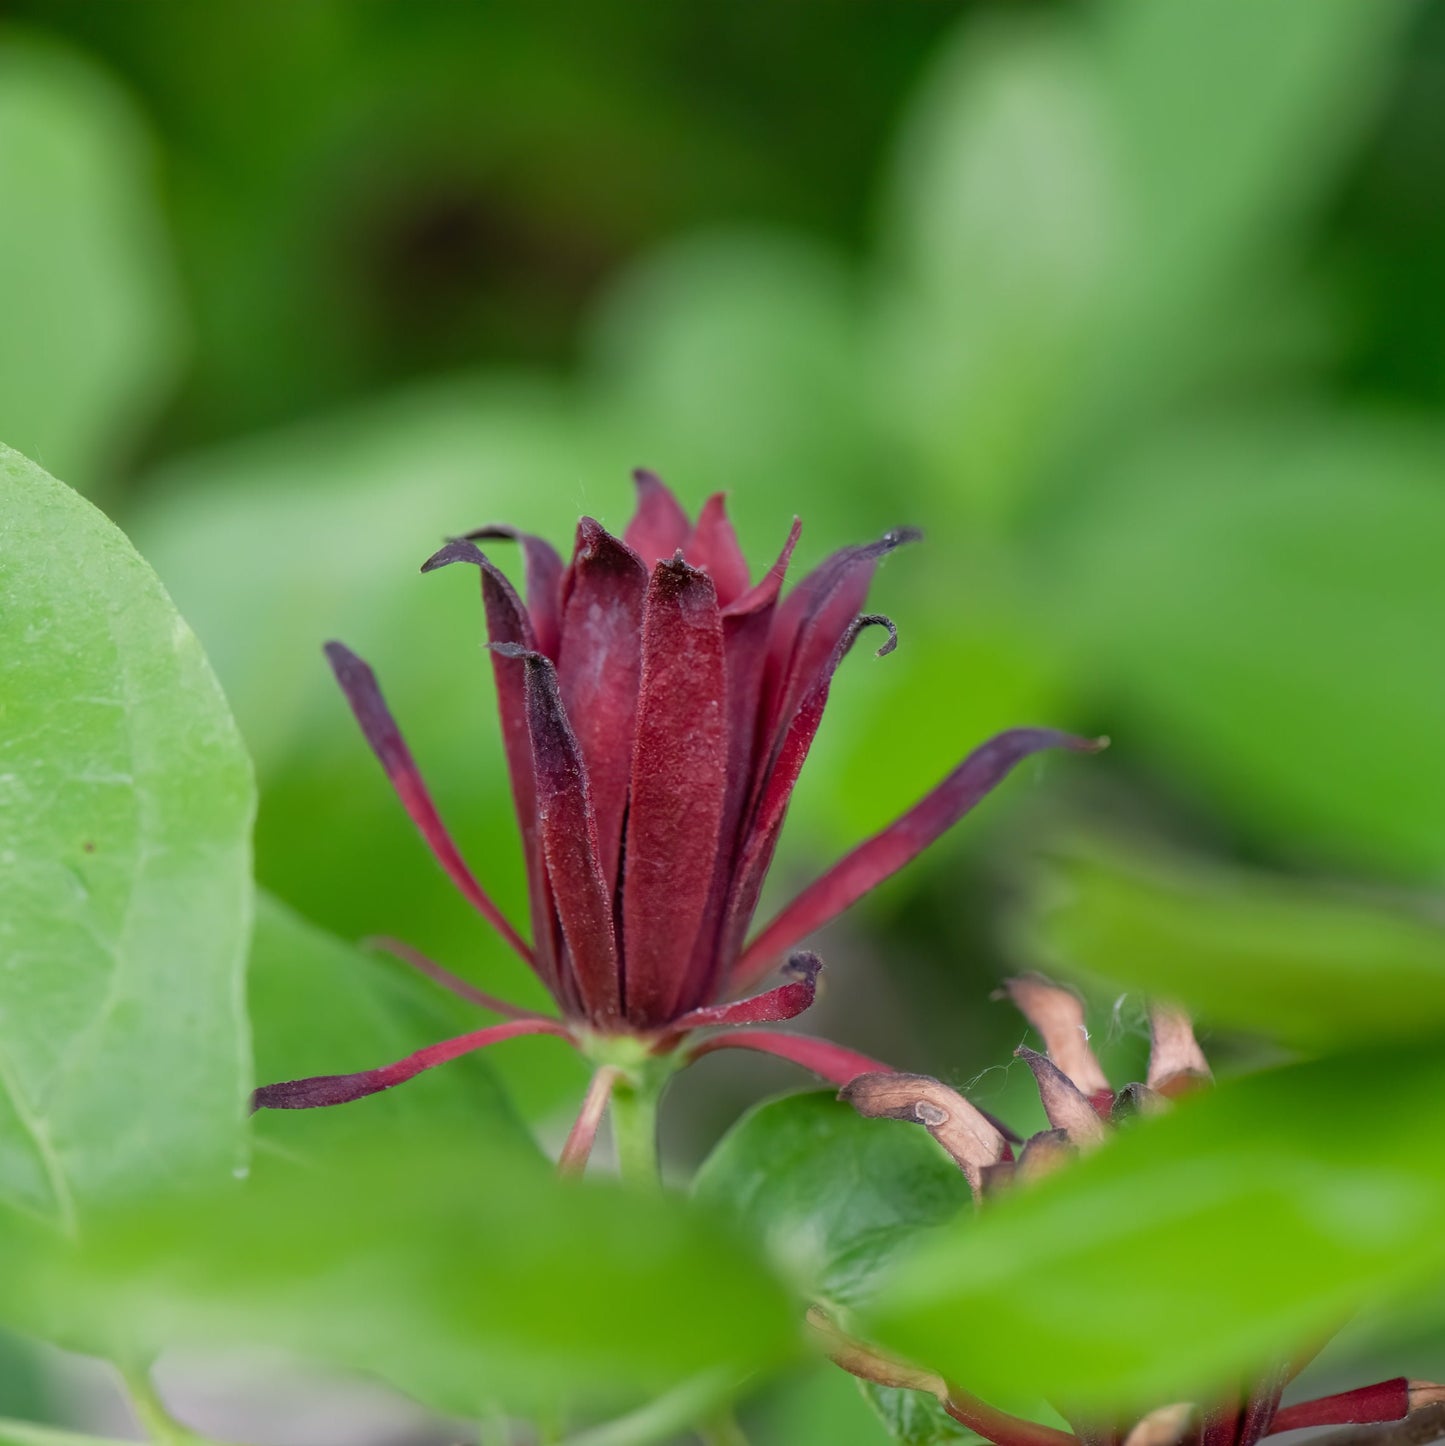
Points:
x=516 y=650
x=880 y=620
x=897 y=536
x=805 y=965
x=456 y=549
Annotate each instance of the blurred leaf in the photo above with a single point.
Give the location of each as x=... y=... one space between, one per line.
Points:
x=1195 y=1247
x=823 y=1408
x=90 y=342
x=275 y=545
x=319 y=1006
x=1291 y=961
x=25 y=1386
x=1260 y=603
x=833 y=1197
x=27 y=1433
x=125 y=813
x=467 y=1277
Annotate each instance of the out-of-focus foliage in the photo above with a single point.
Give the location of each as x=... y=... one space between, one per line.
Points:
x=125 y=809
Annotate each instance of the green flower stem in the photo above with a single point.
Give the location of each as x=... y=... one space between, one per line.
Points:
x=634 y=1127
x=151 y=1412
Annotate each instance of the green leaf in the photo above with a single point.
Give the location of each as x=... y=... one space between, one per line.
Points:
x=464 y=1273
x=1194 y=1248
x=1257 y=606
x=914 y=1418
x=91 y=338
x=125 y=813
x=1291 y=961
x=319 y=1006
x=27 y=1433
x=834 y=1197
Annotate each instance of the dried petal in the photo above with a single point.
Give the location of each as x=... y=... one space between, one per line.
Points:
x=1166 y=1426
x=679 y=781
x=1137 y=1099
x=1058 y=1015
x=902 y=841
x=598 y=671
x=1044 y=1153
x=544 y=583
x=1067 y=1107
x=827 y=1060
x=659 y=526
x=714 y=547
x=340 y=1089
x=1176 y=1062
x=359 y=685
x=956 y=1124
x=568 y=831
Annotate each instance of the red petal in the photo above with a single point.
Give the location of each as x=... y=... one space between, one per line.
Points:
x=359 y=684
x=340 y=1089
x=598 y=672
x=659 y=526
x=827 y=1060
x=886 y=852
x=1387 y=1401
x=568 y=830
x=544 y=583
x=787 y=1001
x=714 y=547
x=509 y=622
x=679 y=777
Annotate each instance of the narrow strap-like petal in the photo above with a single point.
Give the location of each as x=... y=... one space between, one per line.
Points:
x=1364 y=1406
x=714 y=547
x=509 y=622
x=577 y=1149
x=787 y=1001
x=659 y=526
x=544 y=583
x=959 y=1126
x=827 y=1060
x=1259 y=1409
x=1067 y=1107
x=340 y=1089
x=453 y=983
x=598 y=671
x=568 y=831
x=679 y=779
x=886 y=852
x=1058 y=1015
x=1176 y=1062
x=359 y=685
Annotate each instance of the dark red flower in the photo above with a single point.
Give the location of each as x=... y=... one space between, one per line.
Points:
x=1082 y=1107
x=657 y=705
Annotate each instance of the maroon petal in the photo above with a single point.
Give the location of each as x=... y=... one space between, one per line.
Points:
x=827 y=1060
x=714 y=547
x=659 y=526
x=598 y=670
x=679 y=778
x=886 y=852
x=568 y=832
x=443 y=976
x=544 y=583
x=359 y=684
x=787 y=1001
x=1067 y=1107
x=340 y=1089
x=1386 y=1401
x=509 y=622
x=577 y=1149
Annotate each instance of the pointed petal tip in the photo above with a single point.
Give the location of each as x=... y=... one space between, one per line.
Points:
x=898 y=536
x=456 y=549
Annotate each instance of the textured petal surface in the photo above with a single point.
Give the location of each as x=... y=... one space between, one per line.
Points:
x=1058 y=1015
x=787 y=1001
x=659 y=526
x=1067 y=1107
x=714 y=547
x=1385 y=1401
x=544 y=582
x=340 y=1089
x=679 y=779
x=359 y=685
x=886 y=852
x=598 y=671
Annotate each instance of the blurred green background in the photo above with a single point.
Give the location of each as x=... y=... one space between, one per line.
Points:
x=1137 y=307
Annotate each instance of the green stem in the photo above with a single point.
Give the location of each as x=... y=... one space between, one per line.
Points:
x=723 y=1430
x=151 y=1412
x=634 y=1129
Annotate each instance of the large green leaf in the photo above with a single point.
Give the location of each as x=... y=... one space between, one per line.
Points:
x=90 y=340
x=464 y=1273
x=833 y=1196
x=1258 y=607
x=1193 y=1248
x=125 y=813
x=1298 y=963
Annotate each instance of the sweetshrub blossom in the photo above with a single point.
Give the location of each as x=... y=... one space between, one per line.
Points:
x=657 y=704
x=1082 y=1109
